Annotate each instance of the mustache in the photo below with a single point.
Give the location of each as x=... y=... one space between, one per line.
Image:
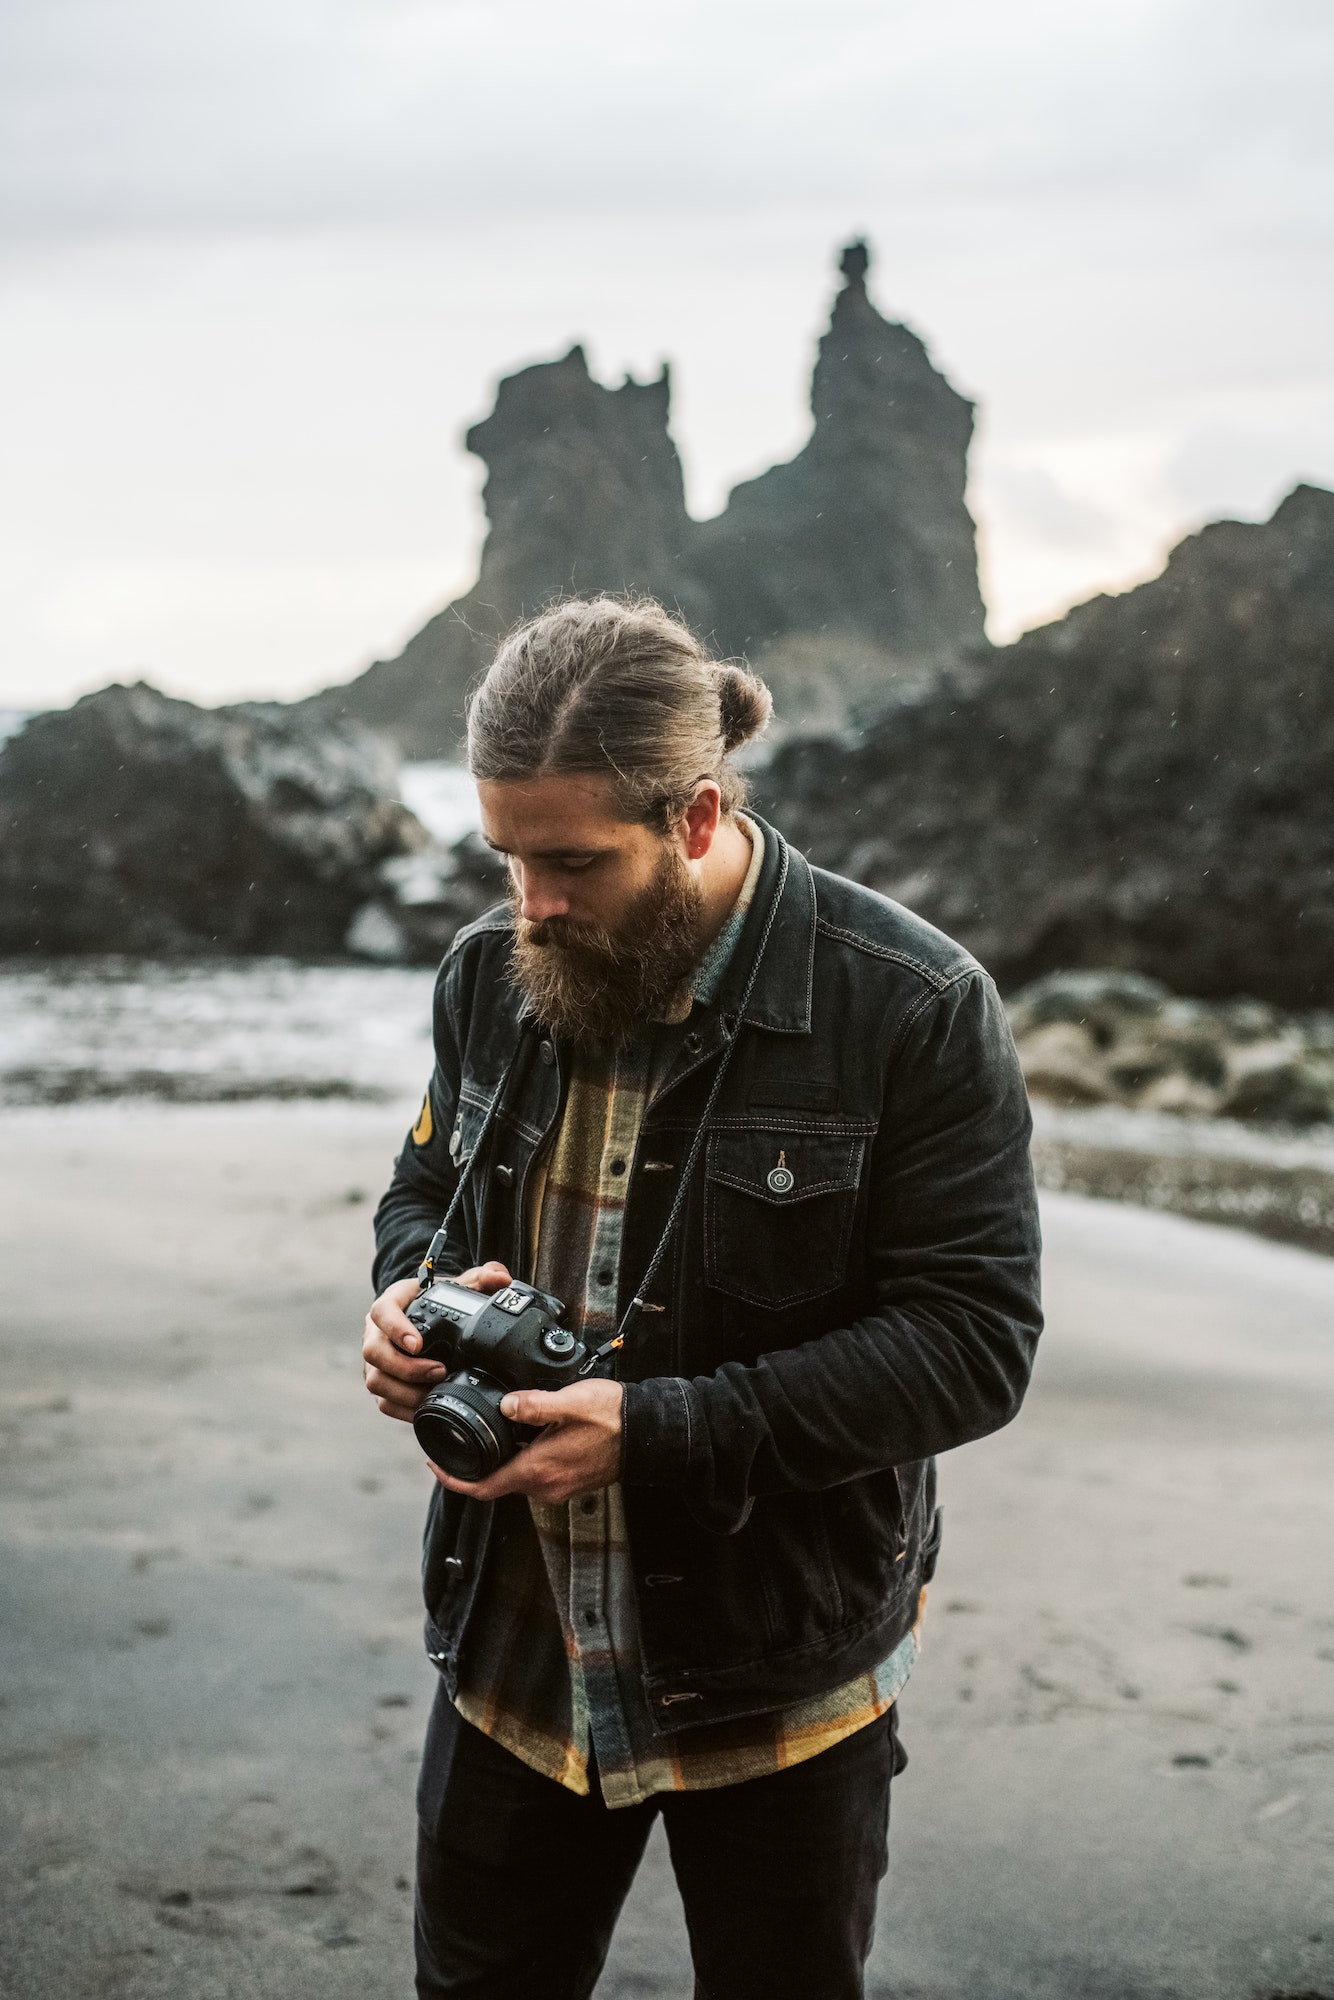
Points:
x=593 y=982
x=579 y=938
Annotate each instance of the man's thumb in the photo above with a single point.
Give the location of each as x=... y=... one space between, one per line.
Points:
x=532 y=1406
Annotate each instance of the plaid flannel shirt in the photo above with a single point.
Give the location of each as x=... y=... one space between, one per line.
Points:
x=552 y=1665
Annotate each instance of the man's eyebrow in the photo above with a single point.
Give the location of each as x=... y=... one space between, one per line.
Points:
x=553 y=853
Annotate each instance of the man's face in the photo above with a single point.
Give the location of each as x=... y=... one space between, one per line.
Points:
x=569 y=854
x=609 y=912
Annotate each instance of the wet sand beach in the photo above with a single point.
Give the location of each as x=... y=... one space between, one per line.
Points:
x=213 y=1692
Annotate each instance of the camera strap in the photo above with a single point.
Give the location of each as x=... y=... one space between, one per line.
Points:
x=640 y=1302
x=426 y=1269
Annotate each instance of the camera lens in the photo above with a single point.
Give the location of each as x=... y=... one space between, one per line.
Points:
x=460 y=1428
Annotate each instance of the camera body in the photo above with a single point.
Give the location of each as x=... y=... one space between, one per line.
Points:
x=493 y=1342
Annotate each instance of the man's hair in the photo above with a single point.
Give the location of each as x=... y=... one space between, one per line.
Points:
x=618 y=687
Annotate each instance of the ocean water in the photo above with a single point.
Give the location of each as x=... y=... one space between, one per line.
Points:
x=212 y=1032
x=443 y=798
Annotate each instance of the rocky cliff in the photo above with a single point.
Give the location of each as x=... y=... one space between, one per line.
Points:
x=1145 y=784
x=835 y=573
x=135 y=823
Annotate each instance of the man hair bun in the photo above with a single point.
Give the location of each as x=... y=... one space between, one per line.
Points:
x=744 y=704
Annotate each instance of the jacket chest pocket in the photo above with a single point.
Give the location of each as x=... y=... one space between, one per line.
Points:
x=778 y=1210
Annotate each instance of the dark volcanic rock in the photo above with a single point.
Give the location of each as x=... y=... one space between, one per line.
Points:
x=835 y=573
x=135 y=823
x=1145 y=784
x=866 y=531
x=1090 y=1038
x=584 y=494
x=424 y=898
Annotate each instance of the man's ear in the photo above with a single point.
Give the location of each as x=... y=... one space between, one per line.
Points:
x=700 y=820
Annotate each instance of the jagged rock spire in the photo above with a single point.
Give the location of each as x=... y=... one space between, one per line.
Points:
x=855 y=262
x=858 y=555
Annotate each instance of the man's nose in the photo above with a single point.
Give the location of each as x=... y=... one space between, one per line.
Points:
x=538 y=899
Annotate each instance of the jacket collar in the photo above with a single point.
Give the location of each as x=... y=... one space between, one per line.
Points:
x=781 y=999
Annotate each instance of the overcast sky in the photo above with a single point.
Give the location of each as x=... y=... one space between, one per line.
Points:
x=262 y=263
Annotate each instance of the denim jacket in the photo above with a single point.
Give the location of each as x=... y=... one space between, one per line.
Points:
x=851 y=1287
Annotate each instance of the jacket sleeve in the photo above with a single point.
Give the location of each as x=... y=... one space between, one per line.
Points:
x=944 y=1353
x=425 y=1174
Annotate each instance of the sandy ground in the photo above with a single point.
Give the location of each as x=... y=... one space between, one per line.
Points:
x=212 y=1692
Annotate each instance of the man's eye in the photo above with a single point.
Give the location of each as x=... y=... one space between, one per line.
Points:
x=574 y=864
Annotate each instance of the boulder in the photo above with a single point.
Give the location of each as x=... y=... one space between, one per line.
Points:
x=839 y=574
x=1088 y=1038
x=423 y=898
x=1143 y=785
x=135 y=823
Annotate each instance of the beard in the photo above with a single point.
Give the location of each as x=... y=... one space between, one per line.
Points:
x=593 y=984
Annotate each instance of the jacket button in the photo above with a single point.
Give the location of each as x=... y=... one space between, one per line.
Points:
x=547 y=1052
x=454 y=1567
x=693 y=1044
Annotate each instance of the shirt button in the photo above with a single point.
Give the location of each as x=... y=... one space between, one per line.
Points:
x=618 y=1166
x=590 y=1618
x=605 y=1277
x=589 y=1504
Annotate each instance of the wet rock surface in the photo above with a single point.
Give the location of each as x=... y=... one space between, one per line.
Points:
x=837 y=574
x=1143 y=785
x=1119 y=1038
x=135 y=823
x=423 y=899
x=1272 y=1184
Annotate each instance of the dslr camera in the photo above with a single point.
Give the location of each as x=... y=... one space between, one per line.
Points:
x=494 y=1342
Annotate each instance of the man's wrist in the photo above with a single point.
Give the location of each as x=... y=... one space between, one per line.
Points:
x=655 y=1432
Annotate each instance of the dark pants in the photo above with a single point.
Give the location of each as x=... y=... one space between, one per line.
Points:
x=519 y=1882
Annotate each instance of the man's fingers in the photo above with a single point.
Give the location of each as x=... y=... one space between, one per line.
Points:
x=551 y=1483
x=387 y=1388
x=388 y=1409
x=380 y=1351
x=389 y=1314
x=492 y=1277
x=494 y=1488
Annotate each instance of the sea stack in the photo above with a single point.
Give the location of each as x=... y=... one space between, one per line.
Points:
x=837 y=574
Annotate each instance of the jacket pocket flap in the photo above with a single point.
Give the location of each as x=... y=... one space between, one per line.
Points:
x=783 y=1167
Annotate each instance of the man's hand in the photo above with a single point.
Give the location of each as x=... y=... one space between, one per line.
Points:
x=397 y=1381
x=579 y=1450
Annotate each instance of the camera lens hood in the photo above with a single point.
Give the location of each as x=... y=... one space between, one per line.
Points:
x=460 y=1428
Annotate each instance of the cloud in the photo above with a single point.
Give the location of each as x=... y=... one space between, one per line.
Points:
x=146 y=115
x=260 y=262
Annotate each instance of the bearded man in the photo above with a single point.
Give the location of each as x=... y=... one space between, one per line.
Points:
x=767 y=1127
